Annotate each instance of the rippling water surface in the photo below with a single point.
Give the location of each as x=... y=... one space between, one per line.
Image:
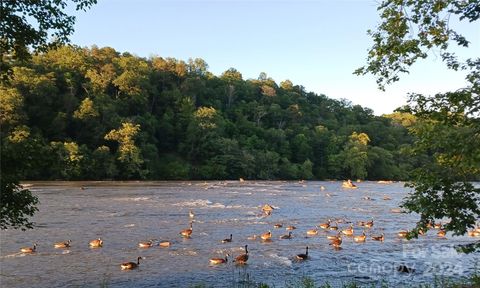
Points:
x=125 y=213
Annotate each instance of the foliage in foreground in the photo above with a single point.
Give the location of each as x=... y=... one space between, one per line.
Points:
x=448 y=124
x=24 y=25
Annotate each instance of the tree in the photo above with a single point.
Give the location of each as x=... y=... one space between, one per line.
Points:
x=17 y=203
x=17 y=35
x=355 y=155
x=447 y=124
x=128 y=153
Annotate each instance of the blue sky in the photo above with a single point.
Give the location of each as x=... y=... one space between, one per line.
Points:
x=317 y=44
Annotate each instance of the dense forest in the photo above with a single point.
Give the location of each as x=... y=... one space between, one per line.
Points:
x=96 y=114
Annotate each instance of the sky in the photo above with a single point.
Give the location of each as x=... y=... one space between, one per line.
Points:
x=317 y=44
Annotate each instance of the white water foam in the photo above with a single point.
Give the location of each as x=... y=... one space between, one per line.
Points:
x=280 y=259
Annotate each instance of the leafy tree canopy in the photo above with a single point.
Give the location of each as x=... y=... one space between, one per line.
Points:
x=25 y=25
x=447 y=125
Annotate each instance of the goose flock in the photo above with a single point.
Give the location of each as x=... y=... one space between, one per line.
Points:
x=349 y=230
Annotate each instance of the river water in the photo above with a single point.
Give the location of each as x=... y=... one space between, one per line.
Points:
x=125 y=213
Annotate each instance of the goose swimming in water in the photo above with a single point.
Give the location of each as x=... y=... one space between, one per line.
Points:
x=348 y=231
x=146 y=244
x=333 y=237
x=243 y=258
x=369 y=224
x=187 y=232
x=378 y=237
x=65 y=244
x=441 y=233
x=164 y=244
x=96 y=243
x=228 y=239
x=337 y=242
x=303 y=256
x=312 y=231
x=130 y=265
x=360 y=238
x=267 y=207
x=266 y=236
x=29 y=249
x=325 y=225
x=219 y=260
x=288 y=236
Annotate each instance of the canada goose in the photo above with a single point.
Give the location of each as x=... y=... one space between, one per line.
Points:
x=278 y=225
x=325 y=225
x=187 y=232
x=312 y=231
x=191 y=214
x=348 y=231
x=402 y=233
x=405 y=269
x=228 y=239
x=146 y=244
x=333 y=237
x=288 y=236
x=96 y=243
x=164 y=244
x=369 y=224
x=291 y=227
x=348 y=184
x=303 y=256
x=360 y=238
x=333 y=228
x=266 y=236
x=441 y=233
x=65 y=244
x=29 y=249
x=130 y=265
x=378 y=237
x=267 y=207
x=337 y=242
x=243 y=258
x=219 y=260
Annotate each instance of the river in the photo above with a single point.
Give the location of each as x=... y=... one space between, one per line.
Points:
x=125 y=213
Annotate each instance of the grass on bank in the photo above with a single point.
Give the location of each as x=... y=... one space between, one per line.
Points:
x=307 y=282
